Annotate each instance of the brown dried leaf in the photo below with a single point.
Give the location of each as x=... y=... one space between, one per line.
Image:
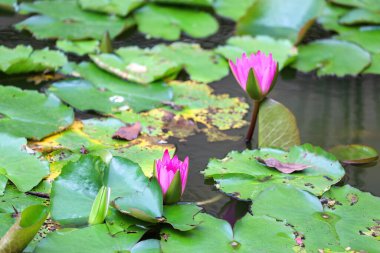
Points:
x=286 y=168
x=128 y=133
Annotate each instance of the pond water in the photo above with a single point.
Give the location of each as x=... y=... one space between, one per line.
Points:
x=329 y=111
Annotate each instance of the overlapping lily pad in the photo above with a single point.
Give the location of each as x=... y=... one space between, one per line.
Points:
x=153 y=20
x=229 y=8
x=269 y=17
x=360 y=17
x=119 y=7
x=277 y=126
x=367 y=39
x=344 y=221
x=243 y=176
x=78 y=47
x=367 y=4
x=330 y=57
x=187 y=2
x=251 y=234
x=330 y=17
x=31 y=114
x=64 y=19
x=282 y=50
x=13 y=200
x=23 y=59
x=22 y=169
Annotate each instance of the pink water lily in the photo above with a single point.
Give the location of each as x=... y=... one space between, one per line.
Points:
x=256 y=74
x=171 y=173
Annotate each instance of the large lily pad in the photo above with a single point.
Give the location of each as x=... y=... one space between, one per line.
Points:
x=277 y=126
x=355 y=154
x=22 y=59
x=251 y=234
x=119 y=7
x=110 y=92
x=275 y=18
x=330 y=57
x=64 y=19
x=242 y=175
x=229 y=8
x=340 y=224
x=31 y=114
x=360 y=17
x=367 y=39
x=22 y=169
x=95 y=135
x=367 y=4
x=282 y=50
x=96 y=239
x=153 y=20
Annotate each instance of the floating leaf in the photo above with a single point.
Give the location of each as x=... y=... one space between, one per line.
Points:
x=251 y=234
x=105 y=93
x=355 y=154
x=182 y=216
x=330 y=17
x=31 y=114
x=119 y=7
x=95 y=239
x=330 y=57
x=367 y=39
x=14 y=199
x=186 y=2
x=333 y=227
x=272 y=18
x=153 y=20
x=24 y=170
x=367 y=4
x=277 y=126
x=64 y=19
x=147 y=246
x=232 y=10
x=359 y=17
x=374 y=68
x=24 y=229
x=78 y=47
x=282 y=50
x=242 y=175
x=23 y=59
x=128 y=133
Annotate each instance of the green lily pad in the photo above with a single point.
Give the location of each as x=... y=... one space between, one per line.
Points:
x=24 y=229
x=335 y=226
x=64 y=19
x=24 y=170
x=229 y=8
x=137 y=65
x=153 y=20
x=118 y=7
x=6 y=221
x=181 y=216
x=374 y=68
x=242 y=175
x=103 y=92
x=367 y=39
x=251 y=234
x=31 y=114
x=204 y=3
x=96 y=239
x=147 y=246
x=282 y=50
x=14 y=199
x=360 y=17
x=118 y=222
x=329 y=19
x=367 y=4
x=272 y=18
x=329 y=57
x=78 y=47
x=277 y=126
x=355 y=154
x=23 y=59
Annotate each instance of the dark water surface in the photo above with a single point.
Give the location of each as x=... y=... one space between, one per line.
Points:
x=329 y=111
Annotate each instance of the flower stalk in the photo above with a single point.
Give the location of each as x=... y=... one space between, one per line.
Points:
x=252 y=126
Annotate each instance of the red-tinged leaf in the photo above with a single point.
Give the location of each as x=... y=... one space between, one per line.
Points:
x=128 y=133
x=286 y=168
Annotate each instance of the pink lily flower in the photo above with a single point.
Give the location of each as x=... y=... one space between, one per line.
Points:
x=256 y=74
x=171 y=174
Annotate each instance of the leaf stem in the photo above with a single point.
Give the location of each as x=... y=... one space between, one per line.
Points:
x=251 y=129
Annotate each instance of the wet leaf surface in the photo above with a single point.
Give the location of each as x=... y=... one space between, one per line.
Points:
x=73 y=23
x=329 y=57
x=277 y=126
x=269 y=17
x=22 y=169
x=23 y=59
x=152 y=20
x=355 y=154
x=242 y=175
x=31 y=114
x=282 y=50
x=336 y=226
